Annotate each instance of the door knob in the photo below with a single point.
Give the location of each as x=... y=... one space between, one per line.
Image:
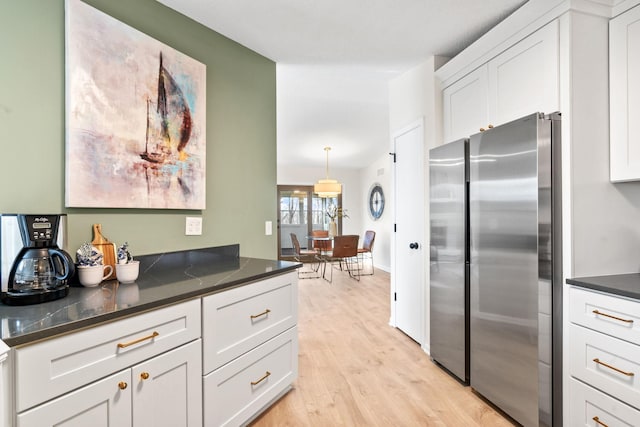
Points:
x=414 y=245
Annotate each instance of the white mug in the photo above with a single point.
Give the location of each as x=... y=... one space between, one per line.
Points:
x=93 y=275
x=128 y=273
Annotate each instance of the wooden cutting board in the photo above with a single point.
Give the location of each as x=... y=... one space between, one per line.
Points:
x=107 y=248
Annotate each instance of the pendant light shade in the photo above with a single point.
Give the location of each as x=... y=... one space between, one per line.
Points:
x=327 y=187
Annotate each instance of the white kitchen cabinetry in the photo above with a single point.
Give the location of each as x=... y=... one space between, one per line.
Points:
x=101 y=404
x=465 y=105
x=604 y=340
x=161 y=392
x=624 y=70
x=521 y=80
x=59 y=369
x=250 y=354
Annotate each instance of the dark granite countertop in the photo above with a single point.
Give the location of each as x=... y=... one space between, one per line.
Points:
x=627 y=285
x=164 y=279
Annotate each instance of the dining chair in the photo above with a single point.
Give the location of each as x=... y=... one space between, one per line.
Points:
x=366 y=251
x=321 y=246
x=305 y=256
x=345 y=252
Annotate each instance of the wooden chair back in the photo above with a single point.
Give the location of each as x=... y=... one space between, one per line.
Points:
x=321 y=245
x=345 y=246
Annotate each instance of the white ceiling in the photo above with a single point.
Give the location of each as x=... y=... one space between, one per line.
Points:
x=335 y=58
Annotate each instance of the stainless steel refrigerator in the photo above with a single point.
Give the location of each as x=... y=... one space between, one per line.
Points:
x=449 y=257
x=513 y=228
x=516 y=268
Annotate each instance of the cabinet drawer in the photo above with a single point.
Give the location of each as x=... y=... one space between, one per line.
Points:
x=617 y=369
x=56 y=366
x=587 y=405
x=612 y=315
x=239 y=390
x=237 y=320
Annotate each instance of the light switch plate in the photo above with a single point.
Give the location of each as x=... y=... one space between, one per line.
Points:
x=193 y=226
x=268 y=228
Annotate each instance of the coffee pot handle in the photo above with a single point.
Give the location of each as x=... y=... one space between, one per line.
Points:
x=65 y=260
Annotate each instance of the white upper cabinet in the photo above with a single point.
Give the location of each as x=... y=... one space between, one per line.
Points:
x=624 y=90
x=521 y=80
x=465 y=105
x=525 y=78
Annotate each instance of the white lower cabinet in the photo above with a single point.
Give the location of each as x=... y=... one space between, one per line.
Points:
x=101 y=404
x=164 y=391
x=239 y=390
x=250 y=349
x=590 y=407
x=239 y=347
x=604 y=360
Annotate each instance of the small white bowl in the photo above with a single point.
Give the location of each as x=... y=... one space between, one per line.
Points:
x=128 y=273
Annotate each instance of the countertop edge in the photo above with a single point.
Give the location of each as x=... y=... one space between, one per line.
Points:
x=626 y=285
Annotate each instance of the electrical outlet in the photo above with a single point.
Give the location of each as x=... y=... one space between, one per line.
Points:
x=193 y=226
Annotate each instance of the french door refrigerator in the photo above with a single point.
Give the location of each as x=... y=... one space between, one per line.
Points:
x=449 y=257
x=516 y=268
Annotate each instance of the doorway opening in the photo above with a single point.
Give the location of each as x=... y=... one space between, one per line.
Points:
x=301 y=211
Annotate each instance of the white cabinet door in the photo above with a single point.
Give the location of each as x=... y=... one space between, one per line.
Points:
x=524 y=79
x=167 y=390
x=465 y=108
x=624 y=90
x=106 y=403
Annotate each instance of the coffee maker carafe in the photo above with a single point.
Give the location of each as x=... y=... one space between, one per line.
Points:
x=40 y=270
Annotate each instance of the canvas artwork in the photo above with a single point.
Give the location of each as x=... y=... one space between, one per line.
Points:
x=135 y=117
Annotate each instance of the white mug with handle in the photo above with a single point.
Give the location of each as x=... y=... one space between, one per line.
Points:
x=93 y=275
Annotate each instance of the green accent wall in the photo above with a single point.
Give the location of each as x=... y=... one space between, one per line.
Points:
x=241 y=131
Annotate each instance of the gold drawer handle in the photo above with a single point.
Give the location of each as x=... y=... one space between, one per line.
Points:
x=264 y=377
x=144 y=375
x=264 y=313
x=597 y=420
x=122 y=385
x=599 y=313
x=127 y=344
x=629 y=374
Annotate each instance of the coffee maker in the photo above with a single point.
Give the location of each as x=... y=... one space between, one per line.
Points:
x=35 y=268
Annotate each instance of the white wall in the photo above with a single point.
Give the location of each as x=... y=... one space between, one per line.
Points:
x=414 y=95
x=379 y=172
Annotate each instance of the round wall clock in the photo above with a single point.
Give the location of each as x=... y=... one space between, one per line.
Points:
x=376 y=201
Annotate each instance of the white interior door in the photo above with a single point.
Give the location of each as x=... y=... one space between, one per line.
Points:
x=408 y=274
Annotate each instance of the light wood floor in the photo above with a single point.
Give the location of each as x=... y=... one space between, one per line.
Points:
x=356 y=370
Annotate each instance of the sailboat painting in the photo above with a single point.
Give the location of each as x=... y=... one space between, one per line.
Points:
x=135 y=117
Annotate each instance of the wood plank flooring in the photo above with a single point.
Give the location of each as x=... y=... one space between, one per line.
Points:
x=356 y=370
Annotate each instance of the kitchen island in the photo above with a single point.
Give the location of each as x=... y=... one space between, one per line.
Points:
x=168 y=349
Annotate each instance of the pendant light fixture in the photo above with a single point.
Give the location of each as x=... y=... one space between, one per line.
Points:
x=327 y=187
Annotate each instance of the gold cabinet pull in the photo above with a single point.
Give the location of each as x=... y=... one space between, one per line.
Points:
x=264 y=377
x=122 y=385
x=597 y=420
x=599 y=313
x=629 y=374
x=482 y=129
x=149 y=337
x=490 y=126
x=144 y=375
x=264 y=313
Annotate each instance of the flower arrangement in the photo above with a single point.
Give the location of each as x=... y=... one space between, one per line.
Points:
x=124 y=256
x=334 y=212
x=88 y=255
